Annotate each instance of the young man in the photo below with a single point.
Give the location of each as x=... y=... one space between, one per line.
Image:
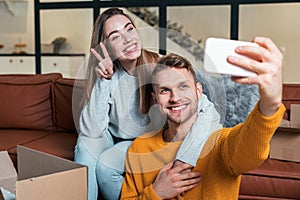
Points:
x=152 y=172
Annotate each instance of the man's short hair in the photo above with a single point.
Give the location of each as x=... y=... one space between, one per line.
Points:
x=175 y=61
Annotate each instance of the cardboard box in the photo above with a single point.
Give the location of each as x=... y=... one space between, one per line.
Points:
x=286 y=141
x=42 y=176
x=295 y=116
x=285 y=144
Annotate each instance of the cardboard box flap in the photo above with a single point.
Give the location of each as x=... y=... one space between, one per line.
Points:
x=46 y=177
x=8 y=174
x=32 y=163
x=71 y=185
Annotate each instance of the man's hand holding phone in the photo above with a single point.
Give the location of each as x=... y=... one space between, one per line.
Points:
x=216 y=53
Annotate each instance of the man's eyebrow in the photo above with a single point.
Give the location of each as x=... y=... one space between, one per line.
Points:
x=167 y=86
x=115 y=31
x=162 y=86
x=184 y=82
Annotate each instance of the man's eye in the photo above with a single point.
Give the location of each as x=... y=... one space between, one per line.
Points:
x=183 y=86
x=164 y=90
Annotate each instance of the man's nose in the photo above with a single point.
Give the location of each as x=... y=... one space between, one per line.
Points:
x=175 y=96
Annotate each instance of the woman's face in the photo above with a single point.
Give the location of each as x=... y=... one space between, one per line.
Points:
x=123 y=38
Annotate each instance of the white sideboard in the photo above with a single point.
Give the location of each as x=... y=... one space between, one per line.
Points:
x=17 y=65
x=68 y=66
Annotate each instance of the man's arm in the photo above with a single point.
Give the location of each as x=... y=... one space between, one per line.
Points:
x=170 y=182
x=248 y=144
x=129 y=190
x=164 y=182
x=207 y=122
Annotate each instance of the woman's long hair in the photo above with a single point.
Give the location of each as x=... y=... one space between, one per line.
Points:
x=146 y=61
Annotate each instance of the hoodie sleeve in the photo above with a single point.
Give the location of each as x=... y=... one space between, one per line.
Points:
x=208 y=121
x=94 y=117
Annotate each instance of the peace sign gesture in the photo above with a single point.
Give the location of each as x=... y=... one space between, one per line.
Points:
x=105 y=66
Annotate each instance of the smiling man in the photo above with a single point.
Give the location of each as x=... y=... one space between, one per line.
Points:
x=177 y=93
x=151 y=169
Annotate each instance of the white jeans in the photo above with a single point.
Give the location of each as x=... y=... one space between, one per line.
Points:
x=106 y=165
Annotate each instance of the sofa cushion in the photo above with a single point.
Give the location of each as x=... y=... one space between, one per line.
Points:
x=10 y=138
x=58 y=144
x=26 y=101
x=273 y=179
x=66 y=104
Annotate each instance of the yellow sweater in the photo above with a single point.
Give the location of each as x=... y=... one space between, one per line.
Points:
x=227 y=154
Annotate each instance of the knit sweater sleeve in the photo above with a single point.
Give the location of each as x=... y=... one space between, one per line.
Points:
x=245 y=146
x=94 y=117
x=129 y=191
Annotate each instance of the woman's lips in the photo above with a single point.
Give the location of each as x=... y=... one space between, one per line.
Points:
x=131 y=48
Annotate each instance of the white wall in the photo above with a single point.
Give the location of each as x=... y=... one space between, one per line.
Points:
x=280 y=22
x=73 y=24
x=17 y=26
x=202 y=22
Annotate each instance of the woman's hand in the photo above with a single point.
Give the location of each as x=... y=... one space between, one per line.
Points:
x=174 y=179
x=105 y=66
x=266 y=62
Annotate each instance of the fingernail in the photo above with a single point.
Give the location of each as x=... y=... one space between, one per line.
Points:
x=231 y=58
x=240 y=48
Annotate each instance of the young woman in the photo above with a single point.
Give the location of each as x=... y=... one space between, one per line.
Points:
x=117 y=105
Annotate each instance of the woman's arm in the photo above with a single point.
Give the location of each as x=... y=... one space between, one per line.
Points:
x=208 y=121
x=94 y=117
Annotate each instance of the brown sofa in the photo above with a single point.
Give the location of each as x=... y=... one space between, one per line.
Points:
x=36 y=112
x=41 y=112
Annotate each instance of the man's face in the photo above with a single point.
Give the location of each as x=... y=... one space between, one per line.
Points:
x=177 y=94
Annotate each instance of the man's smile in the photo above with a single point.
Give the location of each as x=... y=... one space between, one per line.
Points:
x=177 y=108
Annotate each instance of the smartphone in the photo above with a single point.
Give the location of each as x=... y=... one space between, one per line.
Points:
x=215 y=57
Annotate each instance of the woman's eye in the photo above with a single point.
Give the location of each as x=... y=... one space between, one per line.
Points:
x=115 y=37
x=130 y=29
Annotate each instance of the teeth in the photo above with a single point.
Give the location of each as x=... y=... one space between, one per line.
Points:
x=177 y=108
x=130 y=47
